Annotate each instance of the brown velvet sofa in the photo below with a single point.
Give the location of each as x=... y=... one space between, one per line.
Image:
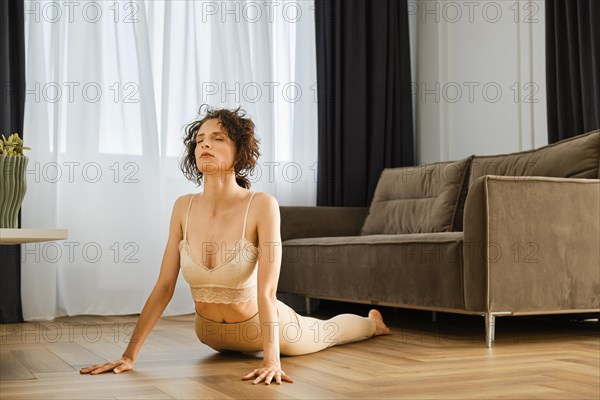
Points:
x=504 y=235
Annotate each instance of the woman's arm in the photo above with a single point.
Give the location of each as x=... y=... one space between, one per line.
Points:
x=157 y=301
x=269 y=265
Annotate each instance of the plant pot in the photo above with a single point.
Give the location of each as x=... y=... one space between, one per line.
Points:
x=12 y=188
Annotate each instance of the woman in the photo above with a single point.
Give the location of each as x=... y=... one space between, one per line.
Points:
x=234 y=285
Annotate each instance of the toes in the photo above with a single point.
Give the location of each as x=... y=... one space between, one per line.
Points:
x=382 y=328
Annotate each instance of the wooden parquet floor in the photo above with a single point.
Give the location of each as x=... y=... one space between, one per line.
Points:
x=549 y=357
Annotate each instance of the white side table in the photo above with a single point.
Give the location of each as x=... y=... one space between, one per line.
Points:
x=30 y=235
x=11 y=297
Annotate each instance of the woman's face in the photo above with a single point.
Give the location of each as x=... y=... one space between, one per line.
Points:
x=212 y=139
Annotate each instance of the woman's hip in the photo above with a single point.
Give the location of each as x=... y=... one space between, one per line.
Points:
x=241 y=336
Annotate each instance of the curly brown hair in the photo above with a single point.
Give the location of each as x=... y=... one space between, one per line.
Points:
x=238 y=128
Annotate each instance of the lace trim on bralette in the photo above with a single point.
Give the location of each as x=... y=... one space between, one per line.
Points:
x=209 y=294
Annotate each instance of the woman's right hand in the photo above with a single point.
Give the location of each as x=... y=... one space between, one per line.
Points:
x=120 y=365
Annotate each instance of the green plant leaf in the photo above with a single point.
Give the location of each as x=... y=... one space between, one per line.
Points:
x=13 y=145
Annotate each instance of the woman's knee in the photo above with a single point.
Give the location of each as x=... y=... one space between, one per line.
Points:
x=226 y=351
x=297 y=350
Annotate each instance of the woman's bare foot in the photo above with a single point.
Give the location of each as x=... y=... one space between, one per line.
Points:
x=380 y=327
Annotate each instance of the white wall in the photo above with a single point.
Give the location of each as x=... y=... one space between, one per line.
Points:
x=470 y=59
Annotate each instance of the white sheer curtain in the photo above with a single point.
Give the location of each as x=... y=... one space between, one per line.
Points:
x=109 y=87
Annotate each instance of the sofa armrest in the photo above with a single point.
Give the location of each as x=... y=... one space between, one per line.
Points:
x=318 y=221
x=531 y=244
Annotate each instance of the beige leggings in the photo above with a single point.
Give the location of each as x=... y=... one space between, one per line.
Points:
x=297 y=334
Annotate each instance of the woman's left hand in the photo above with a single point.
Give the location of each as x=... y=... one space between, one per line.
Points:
x=267 y=374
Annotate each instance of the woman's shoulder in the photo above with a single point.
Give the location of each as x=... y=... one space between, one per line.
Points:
x=183 y=201
x=263 y=196
x=186 y=198
x=265 y=200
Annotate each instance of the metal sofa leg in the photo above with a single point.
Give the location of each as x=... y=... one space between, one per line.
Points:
x=490 y=329
x=434 y=316
x=307 y=304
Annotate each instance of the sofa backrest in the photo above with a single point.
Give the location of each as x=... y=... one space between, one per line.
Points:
x=419 y=199
x=576 y=157
x=430 y=198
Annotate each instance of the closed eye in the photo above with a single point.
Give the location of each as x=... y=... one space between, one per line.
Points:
x=200 y=141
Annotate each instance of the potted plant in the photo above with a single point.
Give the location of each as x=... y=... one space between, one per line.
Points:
x=12 y=179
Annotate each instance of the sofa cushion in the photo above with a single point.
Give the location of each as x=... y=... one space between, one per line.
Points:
x=419 y=199
x=576 y=157
x=417 y=270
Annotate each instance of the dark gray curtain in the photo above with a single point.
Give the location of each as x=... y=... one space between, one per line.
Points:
x=12 y=105
x=572 y=67
x=363 y=87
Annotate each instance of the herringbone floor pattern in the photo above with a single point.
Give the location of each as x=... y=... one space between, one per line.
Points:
x=550 y=357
